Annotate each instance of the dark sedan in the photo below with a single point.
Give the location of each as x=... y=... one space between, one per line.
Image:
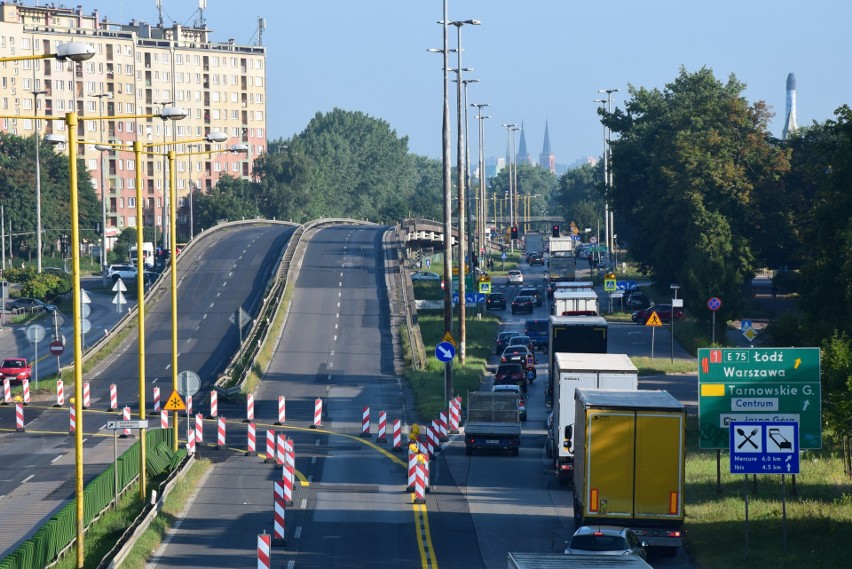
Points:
x=664 y=311
x=511 y=374
x=29 y=304
x=495 y=301
x=516 y=354
x=502 y=341
x=523 y=303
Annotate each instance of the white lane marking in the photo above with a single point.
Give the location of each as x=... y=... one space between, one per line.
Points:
x=296 y=535
x=203 y=317
x=336 y=325
x=304 y=503
x=332 y=353
x=340 y=283
x=337 y=315
x=338 y=305
x=55 y=459
x=230 y=274
x=313 y=460
x=218 y=294
x=339 y=294
x=211 y=304
x=28 y=478
x=335 y=337
x=341 y=275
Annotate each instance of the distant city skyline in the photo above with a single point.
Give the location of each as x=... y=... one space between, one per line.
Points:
x=541 y=64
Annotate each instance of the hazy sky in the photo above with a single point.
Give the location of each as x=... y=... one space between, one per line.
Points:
x=536 y=60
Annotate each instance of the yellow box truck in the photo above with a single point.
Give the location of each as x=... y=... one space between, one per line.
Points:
x=629 y=463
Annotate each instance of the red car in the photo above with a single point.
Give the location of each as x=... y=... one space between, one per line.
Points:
x=15 y=369
x=664 y=311
x=511 y=374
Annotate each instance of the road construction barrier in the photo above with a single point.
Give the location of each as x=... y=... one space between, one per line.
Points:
x=383 y=420
x=250 y=440
x=190 y=439
x=188 y=405
x=7 y=392
x=19 y=417
x=365 y=422
x=199 y=428
x=420 y=482
x=125 y=414
x=156 y=399
x=164 y=419
x=442 y=425
x=317 y=414
x=282 y=415
x=72 y=427
x=220 y=433
x=270 y=446
x=25 y=388
x=455 y=415
x=280 y=449
x=214 y=404
x=434 y=433
x=397 y=435
x=288 y=475
x=412 y=468
x=60 y=394
x=113 y=397
x=87 y=395
x=279 y=515
x=289 y=452
x=264 y=551
x=249 y=408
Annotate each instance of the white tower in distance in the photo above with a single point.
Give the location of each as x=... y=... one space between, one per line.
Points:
x=790 y=117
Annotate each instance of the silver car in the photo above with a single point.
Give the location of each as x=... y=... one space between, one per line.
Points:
x=515 y=277
x=606 y=540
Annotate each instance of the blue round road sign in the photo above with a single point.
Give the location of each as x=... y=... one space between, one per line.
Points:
x=714 y=303
x=445 y=351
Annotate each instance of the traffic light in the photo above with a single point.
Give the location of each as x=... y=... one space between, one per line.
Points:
x=63 y=245
x=555 y=231
x=514 y=232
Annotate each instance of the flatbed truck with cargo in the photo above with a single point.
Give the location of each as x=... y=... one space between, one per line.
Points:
x=493 y=422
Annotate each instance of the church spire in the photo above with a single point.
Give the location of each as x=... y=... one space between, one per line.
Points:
x=547 y=159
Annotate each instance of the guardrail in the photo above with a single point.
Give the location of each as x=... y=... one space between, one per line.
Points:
x=415 y=339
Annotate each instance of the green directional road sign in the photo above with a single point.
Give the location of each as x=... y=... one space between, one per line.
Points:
x=767 y=385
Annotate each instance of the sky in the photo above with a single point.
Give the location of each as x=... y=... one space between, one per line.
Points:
x=537 y=61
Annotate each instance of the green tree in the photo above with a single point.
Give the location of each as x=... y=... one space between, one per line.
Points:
x=231 y=199
x=533 y=181
x=836 y=363
x=580 y=196
x=687 y=164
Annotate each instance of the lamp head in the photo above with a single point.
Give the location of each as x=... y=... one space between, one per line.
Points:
x=238 y=148
x=75 y=51
x=54 y=139
x=173 y=113
x=216 y=136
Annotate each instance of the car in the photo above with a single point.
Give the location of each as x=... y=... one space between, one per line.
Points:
x=539 y=332
x=664 y=311
x=535 y=259
x=495 y=301
x=522 y=399
x=502 y=340
x=29 y=305
x=515 y=277
x=636 y=300
x=516 y=354
x=425 y=276
x=533 y=292
x=15 y=369
x=124 y=272
x=606 y=540
x=522 y=340
x=523 y=303
x=511 y=374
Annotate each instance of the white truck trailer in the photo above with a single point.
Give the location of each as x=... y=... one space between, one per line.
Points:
x=593 y=371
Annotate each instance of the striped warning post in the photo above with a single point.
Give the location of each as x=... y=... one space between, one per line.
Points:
x=383 y=425
x=282 y=415
x=199 y=428
x=220 y=433
x=397 y=435
x=72 y=427
x=156 y=399
x=288 y=474
x=435 y=433
x=455 y=415
x=164 y=419
x=412 y=468
x=251 y=448
x=87 y=395
x=280 y=449
x=125 y=414
x=214 y=404
x=249 y=408
x=442 y=424
x=25 y=388
x=190 y=440
x=188 y=405
x=317 y=414
x=60 y=393
x=264 y=551
x=279 y=515
x=289 y=452
x=426 y=483
x=365 y=422
x=113 y=397
x=270 y=446
x=19 y=417
x=7 y=392
x=420 y=483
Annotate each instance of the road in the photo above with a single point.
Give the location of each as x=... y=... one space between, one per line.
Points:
x=223 y=271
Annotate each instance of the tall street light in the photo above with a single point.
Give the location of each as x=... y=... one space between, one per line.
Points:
x=103 y=150
x=483 y=206
x=469 y=200
x=610 y=217
x=509 y=136
x=37 y=180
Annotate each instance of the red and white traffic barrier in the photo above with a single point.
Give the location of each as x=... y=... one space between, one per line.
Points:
x=156 y=399
x=60 y=393
x=7 y=392
x=249 y=408
x=19 y=417
x=365 y=422
x=188 y=405
x=289 y=453
x=214 y=404
x=397 y=435
x=412 y=468
x=264 y=551
x=113 y=397
x=72 y=427
x=434 y=443
x=190 y=439
x=164 y=419
x=251 y=448
x=199 y=428
x=317 y=414
x=288 y=475
x=25 y=388
x=420 y=482
x=282 y=414
x=270 y=446
x=87 y=395
x=455 y=414
x=125 y=414
x=383 y=425
x=280 y=449
x=220 y=433
x=279 y=514
x=442 y=425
